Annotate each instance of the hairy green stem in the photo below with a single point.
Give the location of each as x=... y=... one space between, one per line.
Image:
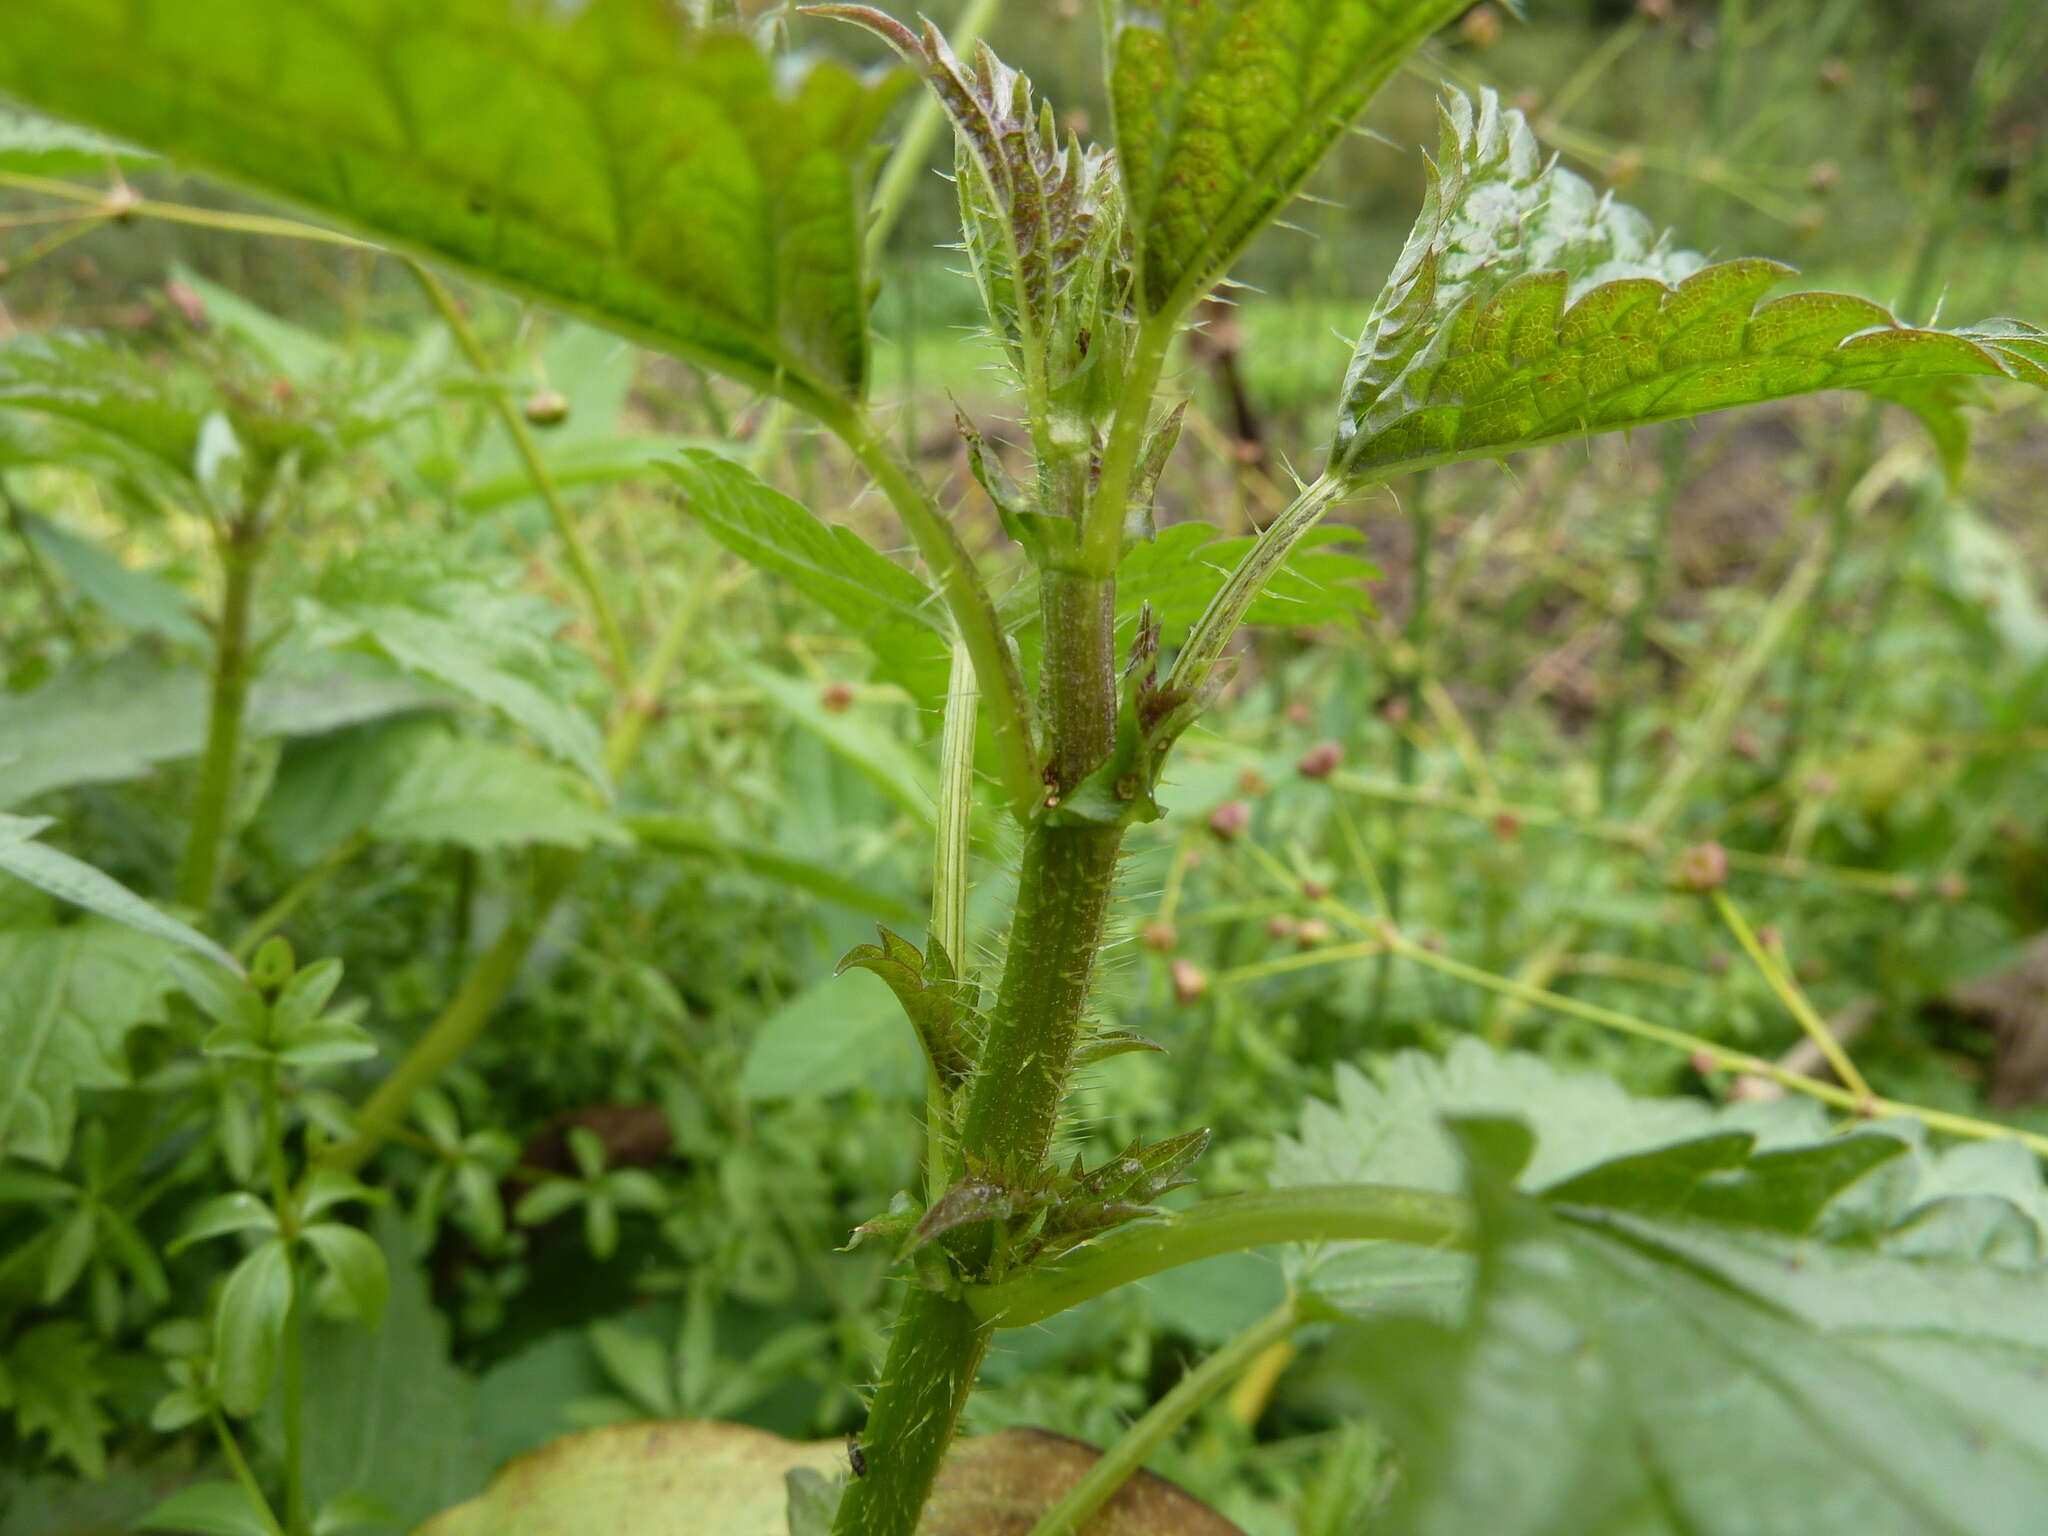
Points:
x=933 y=1356
x=1327 y=1213
x=1099 y=1484
x=241 y=551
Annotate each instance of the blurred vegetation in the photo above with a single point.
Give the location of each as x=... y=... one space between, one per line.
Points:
x=1785 y=634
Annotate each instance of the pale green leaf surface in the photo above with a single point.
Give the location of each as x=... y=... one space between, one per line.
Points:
x=1179 y=570
x=105 y=722
x=895 y=614
x=484 y=638
x=1673 y=1347
x=1526 y=308
x=38 y=147
x=1224 y=108
x=484 y=796
x=396 y=1417
x=249 y=1324
x=613 y=160
x=68 y=997
x=77 y=882
x=135 y=599
x=841 y=1034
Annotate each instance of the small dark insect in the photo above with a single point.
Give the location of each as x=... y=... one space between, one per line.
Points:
x=856 y=1457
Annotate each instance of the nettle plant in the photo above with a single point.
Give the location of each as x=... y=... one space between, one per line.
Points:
x=1581 y=1309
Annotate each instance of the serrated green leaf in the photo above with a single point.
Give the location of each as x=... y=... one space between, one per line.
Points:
x=940 y=1007
x=249 y=1322
x=895 y=614
x=52 y=1381
x=134 y=599
x=484 y=638
x=1658 y=1370
x=78 y=883
x=68 y=998
x=1224 y=108
x=478 y=794
x=1528 y=309
x=841 y=1034
x=1386 y=1126
x=614 y=161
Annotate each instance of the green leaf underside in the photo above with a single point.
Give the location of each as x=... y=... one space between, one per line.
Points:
x=620 y=164
x=68 y=997
x=104 y=723
x=1701 y=1338
x=1528 y=309
x=898 y=617
x=1179 y=571
x=1223 y=108
x=43 y=148
x=484 y=796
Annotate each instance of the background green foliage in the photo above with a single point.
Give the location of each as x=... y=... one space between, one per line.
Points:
x=1785 y=632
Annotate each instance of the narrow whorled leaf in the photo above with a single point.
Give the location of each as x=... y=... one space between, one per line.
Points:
x=77 y=882
x=249 y=1325
x=896 y=615
x=608 y=157
x=1223 y=108
x=1528 y=309
x=1044 y=222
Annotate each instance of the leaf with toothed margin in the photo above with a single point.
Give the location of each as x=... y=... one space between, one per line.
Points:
x=936 y=1001
x=606 y=156
x=1110 y=1043
x=1044 y=225
x=1528 y=309
x=1224 y=107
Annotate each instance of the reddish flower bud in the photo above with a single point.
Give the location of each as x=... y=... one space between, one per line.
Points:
x=1701 y=868
x=1189 y=980
x=1159 y=937
x=835 y=698
x=1320 y=760
x=1230 y=818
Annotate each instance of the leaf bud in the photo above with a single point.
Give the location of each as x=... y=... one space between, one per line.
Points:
x=273 y=965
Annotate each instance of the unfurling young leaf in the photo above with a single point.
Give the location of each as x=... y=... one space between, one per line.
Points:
x=1528 y=309
x=1045 y=231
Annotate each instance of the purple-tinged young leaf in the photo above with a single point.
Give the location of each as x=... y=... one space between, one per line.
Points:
x=1043 y=220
